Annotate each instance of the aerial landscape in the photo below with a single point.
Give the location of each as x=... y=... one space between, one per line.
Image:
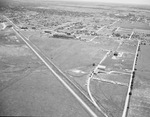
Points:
x=74 y=59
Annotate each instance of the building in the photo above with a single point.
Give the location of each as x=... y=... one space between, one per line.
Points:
x=99 y=68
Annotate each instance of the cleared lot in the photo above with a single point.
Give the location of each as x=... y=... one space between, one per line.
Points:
x=128 y=46
x=106 y=43
x=133 y=25
x=118 y=78
x=1 y=26
x=140 y=99
x=110 y=97
x=123 y=63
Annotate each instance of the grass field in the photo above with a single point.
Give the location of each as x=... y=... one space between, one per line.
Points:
x=106 y=43
x=135 y=25
x=110 y=97
x=140 y=101
x=1 y=26
x=128 y=46
x=123 y=63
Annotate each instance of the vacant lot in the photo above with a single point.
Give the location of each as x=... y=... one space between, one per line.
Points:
x=8 y=37
x=110 y=97
x=133 y=25
x=143 y=59
x=122 y=64
x=128 y=46
x=1 y=26
x=140 y=99
x=122 y=79
x=106 y=43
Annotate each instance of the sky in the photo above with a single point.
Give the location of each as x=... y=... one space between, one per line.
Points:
x=119 y=1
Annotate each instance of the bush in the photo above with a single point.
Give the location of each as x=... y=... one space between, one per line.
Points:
x=117 y=34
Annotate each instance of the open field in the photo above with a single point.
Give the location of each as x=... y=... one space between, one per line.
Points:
x=109 y=97
x=133 y=25
x=140 y=99
x=123 y=63
x=143 y=64
x=106 y=43
x=128 y=46
x=118 y=78
x=1 y=26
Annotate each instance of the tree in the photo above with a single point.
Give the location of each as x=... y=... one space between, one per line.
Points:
x=117 y=35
